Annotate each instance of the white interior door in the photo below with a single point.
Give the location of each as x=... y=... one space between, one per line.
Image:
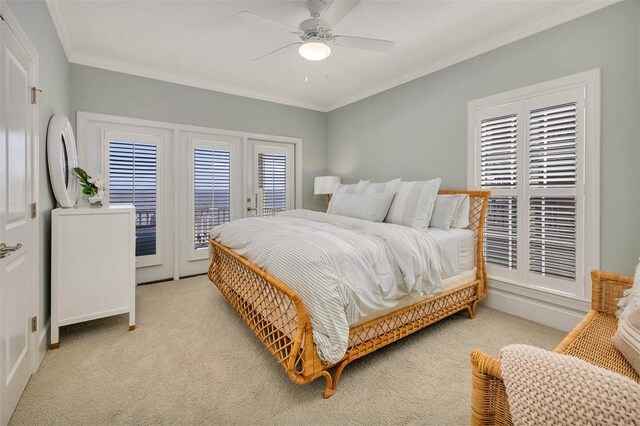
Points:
x=17 y=228
x=270 y=178
x=214 y=178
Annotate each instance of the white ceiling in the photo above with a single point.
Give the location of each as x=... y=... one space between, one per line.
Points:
x=205 y=44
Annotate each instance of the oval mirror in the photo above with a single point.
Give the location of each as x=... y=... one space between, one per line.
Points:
x=62 y=158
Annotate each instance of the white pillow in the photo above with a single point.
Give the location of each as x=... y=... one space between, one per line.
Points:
x=461 y=217
x=385 y=187
x=413 y=203
x=631 y=299
x=444 y=211
x=354 y=188
x=371 y=207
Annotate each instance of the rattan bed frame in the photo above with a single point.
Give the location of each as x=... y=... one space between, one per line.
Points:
x=277 y=315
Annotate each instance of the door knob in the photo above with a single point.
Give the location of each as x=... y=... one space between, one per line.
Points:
x=6 y=250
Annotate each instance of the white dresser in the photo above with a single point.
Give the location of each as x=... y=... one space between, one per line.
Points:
x=93 y=261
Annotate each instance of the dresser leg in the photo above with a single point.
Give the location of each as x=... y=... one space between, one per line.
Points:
x=132 y=327
x=132 y=321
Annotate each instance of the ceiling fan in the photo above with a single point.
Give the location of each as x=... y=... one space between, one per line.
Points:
x=316 y=37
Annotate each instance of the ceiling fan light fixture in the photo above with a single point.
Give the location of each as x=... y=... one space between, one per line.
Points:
x=314 y=51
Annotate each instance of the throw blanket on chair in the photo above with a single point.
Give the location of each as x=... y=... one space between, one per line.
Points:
x=546 y=388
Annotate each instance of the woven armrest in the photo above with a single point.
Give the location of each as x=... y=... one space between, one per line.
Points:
x=489 y=405
x=607 y=288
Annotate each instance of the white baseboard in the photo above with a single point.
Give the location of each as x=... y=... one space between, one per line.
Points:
x=43 y=342
x=541 y=311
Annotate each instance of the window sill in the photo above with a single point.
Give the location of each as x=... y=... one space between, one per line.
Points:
x=557 y=298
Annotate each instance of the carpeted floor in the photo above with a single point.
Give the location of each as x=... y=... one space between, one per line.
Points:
x=193 y=361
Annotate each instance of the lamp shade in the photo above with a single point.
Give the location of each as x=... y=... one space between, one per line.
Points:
x=325 y=184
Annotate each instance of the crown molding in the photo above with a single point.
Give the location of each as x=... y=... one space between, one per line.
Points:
x=526 y=29
x=61 y=29
x=570 y=12
x=158 y=74
x=177 y=78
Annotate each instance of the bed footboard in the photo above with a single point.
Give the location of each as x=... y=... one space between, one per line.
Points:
x=273 y=311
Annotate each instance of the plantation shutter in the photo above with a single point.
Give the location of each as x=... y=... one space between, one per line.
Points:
x=552 y=182
x=212 y=192
x=272 y=180
x=133 y=178
x=499 y=172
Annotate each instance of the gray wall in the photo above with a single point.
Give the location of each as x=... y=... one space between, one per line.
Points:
x=54 y=99
x=419 y=130
x=107 y=92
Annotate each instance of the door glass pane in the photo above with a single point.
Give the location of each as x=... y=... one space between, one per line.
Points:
x=272 y=179
x=212 y=192
x=133 y=178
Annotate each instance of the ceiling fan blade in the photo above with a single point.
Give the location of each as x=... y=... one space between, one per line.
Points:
x=337 y=11
x=261 y=18
x=277 y=50
x=373 y=44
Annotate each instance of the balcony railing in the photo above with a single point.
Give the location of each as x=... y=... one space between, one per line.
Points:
x=204 y=220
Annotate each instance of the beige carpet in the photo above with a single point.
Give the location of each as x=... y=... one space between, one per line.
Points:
x=193 y=361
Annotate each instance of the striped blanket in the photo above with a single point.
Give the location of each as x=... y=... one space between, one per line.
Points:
x=342 y=268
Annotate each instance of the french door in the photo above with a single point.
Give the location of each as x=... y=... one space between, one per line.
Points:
x=185 y=180
x=137 y=162
x=18 y=230
x=214 y=181
x=224 y=185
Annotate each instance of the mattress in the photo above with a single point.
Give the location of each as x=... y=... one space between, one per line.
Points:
x=448 y=284
x=457 y=260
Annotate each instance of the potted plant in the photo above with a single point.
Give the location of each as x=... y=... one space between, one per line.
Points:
x=92 y=188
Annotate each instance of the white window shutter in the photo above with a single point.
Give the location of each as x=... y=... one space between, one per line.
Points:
x=499 y=171
x=499 y=152
x=552 y=147
x=552 y=185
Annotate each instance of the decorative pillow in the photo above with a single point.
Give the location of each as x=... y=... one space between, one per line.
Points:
x=631 y=299
x=371 y=207
x=354 y=188
x=461 y=217
x=413 y=203
x=444 y=211
x=385 y=187
x=627 y=338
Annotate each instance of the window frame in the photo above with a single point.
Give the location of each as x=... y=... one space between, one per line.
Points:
x=521 y=101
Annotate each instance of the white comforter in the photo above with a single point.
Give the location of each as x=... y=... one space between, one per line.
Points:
x=342 y=268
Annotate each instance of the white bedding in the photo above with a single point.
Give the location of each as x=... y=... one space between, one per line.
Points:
x=457 y=250
x=349 y=270
x=342 y=268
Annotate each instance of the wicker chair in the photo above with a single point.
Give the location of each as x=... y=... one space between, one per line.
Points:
x=590 y=340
